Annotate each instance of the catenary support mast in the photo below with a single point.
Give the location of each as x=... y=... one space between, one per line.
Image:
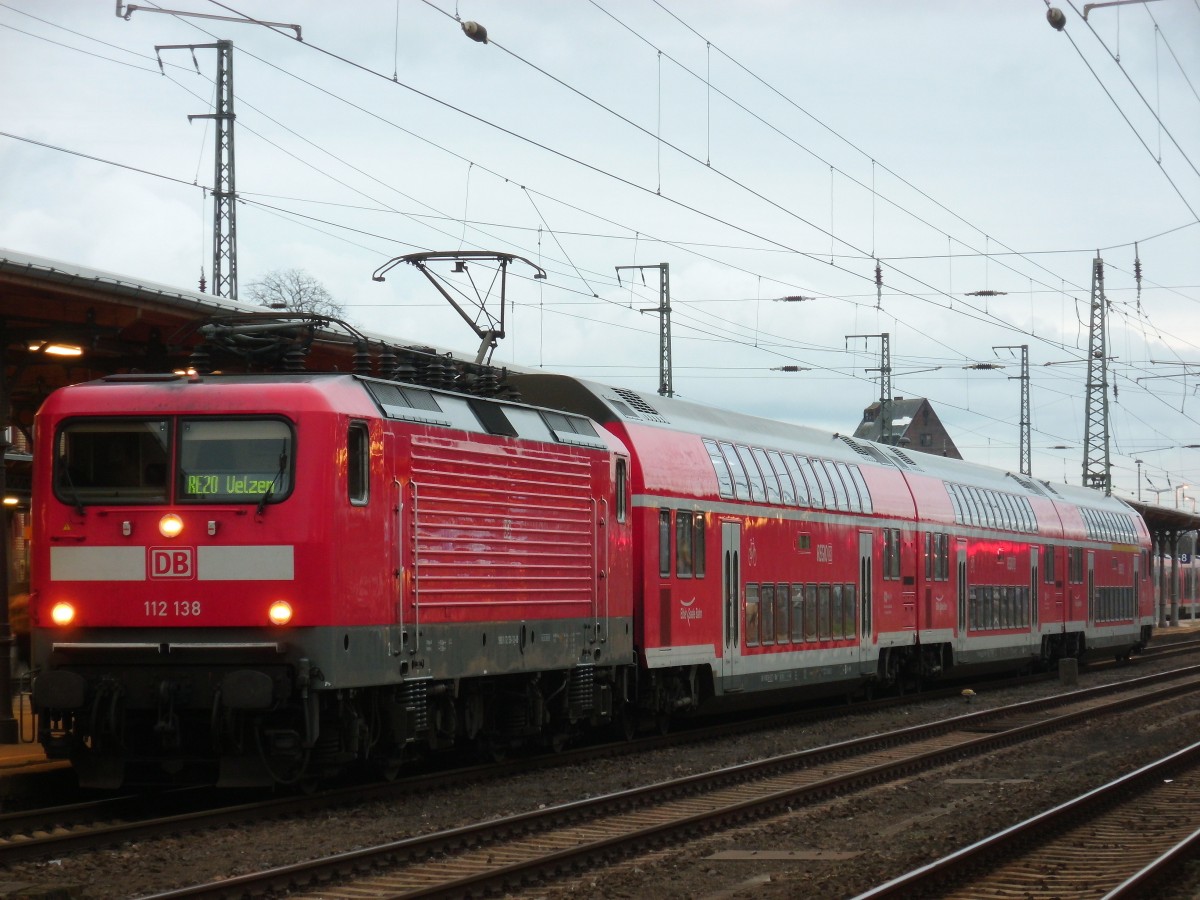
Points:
x=1097 y=470
x=666 y=385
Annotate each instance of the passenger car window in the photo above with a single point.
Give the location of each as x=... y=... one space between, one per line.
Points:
x=724 y=477
x=785 y=480
x=758 y=490
x=741 y=483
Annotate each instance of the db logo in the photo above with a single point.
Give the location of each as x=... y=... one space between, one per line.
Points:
x=171 y=562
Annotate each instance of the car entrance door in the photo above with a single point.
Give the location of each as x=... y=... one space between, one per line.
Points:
x=731 y=597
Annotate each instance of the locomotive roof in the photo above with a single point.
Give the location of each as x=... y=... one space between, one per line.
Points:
x=419 y=405
x=626 y=407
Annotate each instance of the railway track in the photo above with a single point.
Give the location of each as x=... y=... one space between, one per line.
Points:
x=29 y=834
x=505 y=854
x=76 y=827
x=1133 y=833
x=79 y=827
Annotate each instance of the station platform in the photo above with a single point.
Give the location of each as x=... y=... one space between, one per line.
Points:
x=26 y=753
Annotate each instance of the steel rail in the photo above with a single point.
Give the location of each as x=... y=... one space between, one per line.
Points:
x=615 y=825
x=941 y=877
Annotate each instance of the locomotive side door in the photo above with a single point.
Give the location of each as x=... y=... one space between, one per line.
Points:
x=731 y=596
x=395 y=540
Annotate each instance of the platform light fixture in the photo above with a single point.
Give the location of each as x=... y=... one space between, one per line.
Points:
x=54 y=349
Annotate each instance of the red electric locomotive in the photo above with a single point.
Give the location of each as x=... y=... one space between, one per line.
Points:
x=268 y=577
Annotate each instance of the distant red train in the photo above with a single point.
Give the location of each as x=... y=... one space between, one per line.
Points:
x=266 y=579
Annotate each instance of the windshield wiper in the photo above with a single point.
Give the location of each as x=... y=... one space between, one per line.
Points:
x=74 y=492
x=269 y=492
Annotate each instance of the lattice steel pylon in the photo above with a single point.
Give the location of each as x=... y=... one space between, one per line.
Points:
x=885 y=382
x=666 y=386
x=1026 y=448
x=1097 y=469
x=224 y=261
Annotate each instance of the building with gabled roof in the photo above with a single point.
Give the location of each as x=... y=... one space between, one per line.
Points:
x=915 y=426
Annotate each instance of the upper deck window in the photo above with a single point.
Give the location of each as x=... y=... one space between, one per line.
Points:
x=768 y=474
x=741 y=483
x=758 y=489
x=234 y=460
x=112 y=461
x=802 y=486
x=724 y=478
x=785 y=480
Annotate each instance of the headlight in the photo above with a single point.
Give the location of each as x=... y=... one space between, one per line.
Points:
x=280 y=612
x=62 y=614
x=170 y=525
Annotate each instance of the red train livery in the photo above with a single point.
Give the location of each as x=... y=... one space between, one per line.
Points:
x=265 y=579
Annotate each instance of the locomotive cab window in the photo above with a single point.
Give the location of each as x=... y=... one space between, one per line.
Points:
x=234 y=460
x=358 y=459
x=117 y=461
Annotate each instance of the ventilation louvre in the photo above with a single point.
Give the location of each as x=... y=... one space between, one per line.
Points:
x=907 y=462
x=1029 y=484
x=635 y=401
x=623 y=409
x=866 y=451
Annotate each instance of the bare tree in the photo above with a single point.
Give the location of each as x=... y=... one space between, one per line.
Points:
x=297 y=291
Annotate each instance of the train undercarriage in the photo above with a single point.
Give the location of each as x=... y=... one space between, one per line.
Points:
x=912 y=666
x=249 y=732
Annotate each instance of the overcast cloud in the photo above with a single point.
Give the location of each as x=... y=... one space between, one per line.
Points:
x=762 y=149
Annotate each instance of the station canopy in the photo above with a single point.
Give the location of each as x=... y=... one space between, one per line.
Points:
x=62 y=323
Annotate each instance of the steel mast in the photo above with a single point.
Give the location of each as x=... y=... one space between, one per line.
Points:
x=1097 y=469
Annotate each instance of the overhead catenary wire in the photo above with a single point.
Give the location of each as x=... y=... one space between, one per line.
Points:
x=223 y=6
x=1132 y=127
x=97 y=160
x=1116 y=59
x=300 y=79
x=636 y=235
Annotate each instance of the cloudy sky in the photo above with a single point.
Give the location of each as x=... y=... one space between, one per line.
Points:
x=763 y=149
